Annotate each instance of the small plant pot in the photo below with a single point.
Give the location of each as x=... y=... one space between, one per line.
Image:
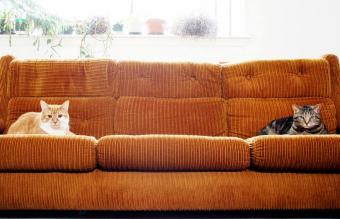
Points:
x=134 y=26
x=21 y=26
x=155 y=26
x=118 y=27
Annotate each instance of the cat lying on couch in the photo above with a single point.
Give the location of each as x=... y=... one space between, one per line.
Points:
x=53 y=119
x=305 y=120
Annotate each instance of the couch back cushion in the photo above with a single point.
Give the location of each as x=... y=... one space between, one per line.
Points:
x=91 y=116
x=167 y=80
x=60 y=78
x=247 y=116
x=194 y=116
x=277 y=79
x=258 y=92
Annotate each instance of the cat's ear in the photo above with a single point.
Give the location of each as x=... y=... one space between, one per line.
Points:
x=65 y=105
x=295 y=108
x=317 y=108
x=44 y=105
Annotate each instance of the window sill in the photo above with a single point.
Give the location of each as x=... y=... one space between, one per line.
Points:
x=131 y=47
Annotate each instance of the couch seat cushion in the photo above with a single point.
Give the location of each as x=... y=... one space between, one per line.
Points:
x=171 y=152
x=317 y=152
x=46 y=152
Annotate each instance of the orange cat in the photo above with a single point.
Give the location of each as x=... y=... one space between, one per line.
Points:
x=53 y=119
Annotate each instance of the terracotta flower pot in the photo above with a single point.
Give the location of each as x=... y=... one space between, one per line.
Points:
x=155 y=26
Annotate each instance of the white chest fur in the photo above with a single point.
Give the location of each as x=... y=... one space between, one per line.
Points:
x=47 y=128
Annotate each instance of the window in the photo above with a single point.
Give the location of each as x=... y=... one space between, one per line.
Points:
x=122 y=29
x=228 y=14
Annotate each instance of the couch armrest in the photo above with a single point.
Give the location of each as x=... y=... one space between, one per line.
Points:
x=335 y=83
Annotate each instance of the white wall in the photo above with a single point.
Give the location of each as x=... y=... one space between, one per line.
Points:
x=293 y=28
x=277 y=29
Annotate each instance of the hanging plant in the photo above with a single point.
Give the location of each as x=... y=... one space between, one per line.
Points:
x=99 y=29
x=98 y=25
x=67 y=29
x=7 y=24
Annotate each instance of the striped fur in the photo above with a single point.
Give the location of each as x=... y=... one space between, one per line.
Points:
x=306 y=120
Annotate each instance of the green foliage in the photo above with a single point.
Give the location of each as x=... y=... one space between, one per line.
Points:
x=49 y=25
x=27 y=16
x=7 y=22
x=67 y=29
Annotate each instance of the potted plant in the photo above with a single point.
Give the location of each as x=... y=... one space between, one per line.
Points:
x=98 y=25
x=7 y=22
x=118 y=27
x=195 y=26
x=80 y=27
x=21 y=26
x=67 y=29
x=155 y=26
x=134 y=25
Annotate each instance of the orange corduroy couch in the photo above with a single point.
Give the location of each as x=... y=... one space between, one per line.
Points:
x=170 y=136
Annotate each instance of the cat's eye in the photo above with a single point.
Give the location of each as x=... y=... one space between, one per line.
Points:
x=49 y=116
x=60 y=115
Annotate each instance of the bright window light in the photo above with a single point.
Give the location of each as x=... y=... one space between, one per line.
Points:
x=220 y=11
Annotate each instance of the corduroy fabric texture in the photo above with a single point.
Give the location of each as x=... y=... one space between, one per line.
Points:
x=277 y=79
x=171 y=80
x=46 y=152
x=60 y=78
x=171 y=152
x=247 y=116
x=335 y=79
x=99 y=190
x=91 y=116
x=4 y=71
x=192 y=116
x=315 y=152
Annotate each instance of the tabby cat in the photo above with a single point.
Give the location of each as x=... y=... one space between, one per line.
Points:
x=53 y=119
x=306 y=120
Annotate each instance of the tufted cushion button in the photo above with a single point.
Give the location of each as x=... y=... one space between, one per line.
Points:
x=193 y=77
x=248 y=76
